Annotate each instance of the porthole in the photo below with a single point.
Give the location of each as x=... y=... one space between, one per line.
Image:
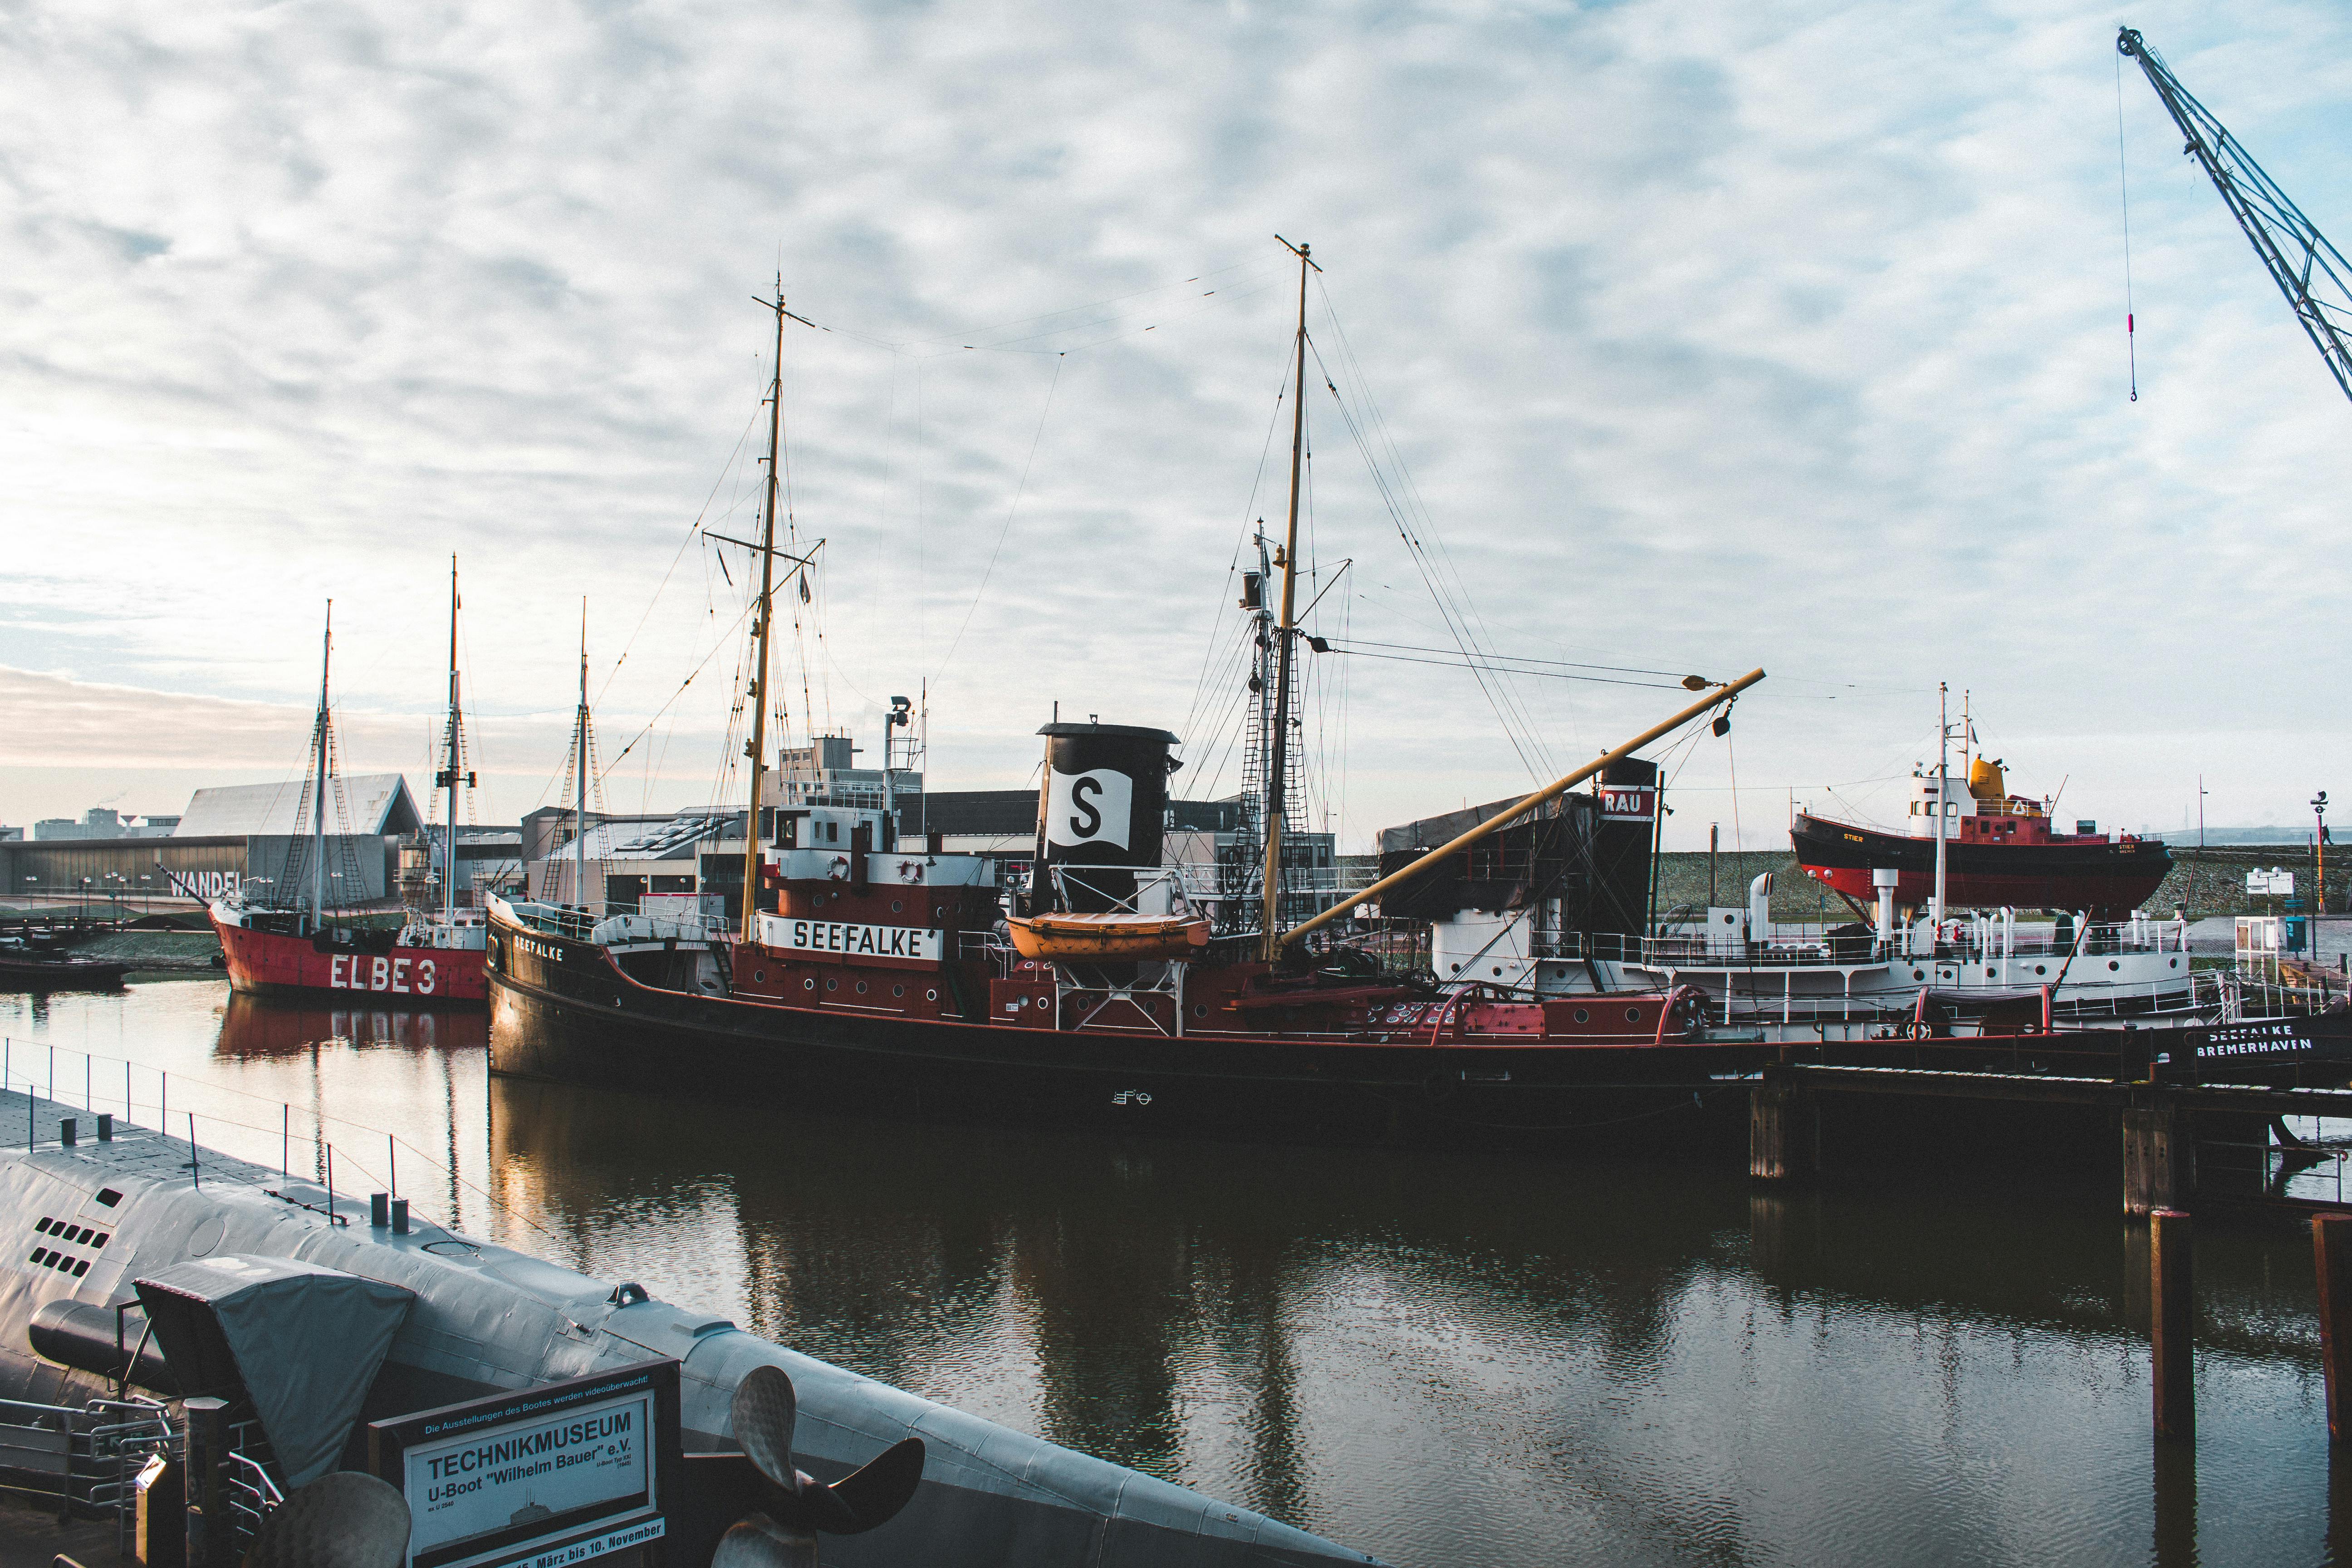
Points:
x=1458 y=968
x=898 y=991
x=832 y=986
x=1919 y=974
x=1582 y=1016
x=861 y=988
x=757 y=975
x=1499 y=969
x=1199 y=1010
x=1633 y=1015
x=895 y=906
x=2113 y=965
x=930 y=995
x=810 y=984
x=2176 y=963
x=2041 y=969
x=1990 y=971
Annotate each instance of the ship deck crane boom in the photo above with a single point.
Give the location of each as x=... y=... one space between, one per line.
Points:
x=2311 y=272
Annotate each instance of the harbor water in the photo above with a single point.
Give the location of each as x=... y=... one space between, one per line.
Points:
x=1441 y=1359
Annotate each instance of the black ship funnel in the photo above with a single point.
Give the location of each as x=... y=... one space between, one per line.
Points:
x=1100 y=813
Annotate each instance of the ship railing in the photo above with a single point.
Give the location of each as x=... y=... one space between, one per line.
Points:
x=1195 y=882
x=622 y=927
x=248 y=1492
x=1970 y=941
x=554 y=919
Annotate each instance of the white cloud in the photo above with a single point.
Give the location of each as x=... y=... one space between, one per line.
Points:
x=1714 y=335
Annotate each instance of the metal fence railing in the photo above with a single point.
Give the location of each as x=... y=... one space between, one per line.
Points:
x=80 y=1459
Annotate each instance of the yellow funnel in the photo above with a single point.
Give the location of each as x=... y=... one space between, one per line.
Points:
x=1985 y=782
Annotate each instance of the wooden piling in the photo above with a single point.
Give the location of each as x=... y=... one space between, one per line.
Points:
x=2331 y=1257
x=2159 y=1153
x=1784 y=1130
x=2172 y=1323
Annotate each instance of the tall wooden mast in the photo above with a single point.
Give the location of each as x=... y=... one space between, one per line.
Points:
x=449 y=775
x=580 y=776
x=756 y=747
x=318 y=796
x=1276 y=779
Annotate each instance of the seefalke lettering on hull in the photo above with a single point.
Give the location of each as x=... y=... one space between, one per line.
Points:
x=789 y=934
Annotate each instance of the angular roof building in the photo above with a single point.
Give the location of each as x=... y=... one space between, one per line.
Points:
x=364 y=805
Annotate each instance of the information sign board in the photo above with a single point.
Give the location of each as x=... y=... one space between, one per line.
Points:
x=540 y=1478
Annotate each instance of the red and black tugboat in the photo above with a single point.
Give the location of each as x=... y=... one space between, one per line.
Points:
x=883 y=975
x=2000 y=850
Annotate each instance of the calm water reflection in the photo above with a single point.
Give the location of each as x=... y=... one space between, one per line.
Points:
x=1446 y=1359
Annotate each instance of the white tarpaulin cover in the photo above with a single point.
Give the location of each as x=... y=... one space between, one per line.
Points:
x=305 y=1342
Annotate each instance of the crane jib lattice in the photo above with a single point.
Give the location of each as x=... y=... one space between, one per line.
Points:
x=2309 y=271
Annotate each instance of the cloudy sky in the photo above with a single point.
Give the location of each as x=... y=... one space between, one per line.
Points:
x=1685 y=336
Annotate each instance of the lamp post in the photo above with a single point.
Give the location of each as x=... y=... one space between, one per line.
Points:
x=2318 y=861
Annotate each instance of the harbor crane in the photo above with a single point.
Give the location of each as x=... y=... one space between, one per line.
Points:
x=2310 y=271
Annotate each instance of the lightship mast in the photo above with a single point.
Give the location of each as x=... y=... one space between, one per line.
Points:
x=451 y=777
x=319 y=797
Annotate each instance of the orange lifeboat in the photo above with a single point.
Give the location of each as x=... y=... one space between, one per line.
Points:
x=1110 y=936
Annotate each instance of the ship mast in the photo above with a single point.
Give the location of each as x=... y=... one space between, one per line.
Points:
x=580 y=776
x=318 y=796
x=1270 y=915
x=756 y=747
x=1943 y=789
x=449 y=773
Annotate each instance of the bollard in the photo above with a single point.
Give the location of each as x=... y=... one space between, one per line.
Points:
x=2172 y=1323
x=400 y=1217
x=106 y=1127
x=2159 y=1153
x=209 y=1542
x=1784 y=1130
x=380 y=1210
x=2331 y=1257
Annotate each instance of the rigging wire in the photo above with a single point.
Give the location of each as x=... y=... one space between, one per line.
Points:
x=1433 y=578
x=1478 y=666
x=1376 y=423
x=1676 y=674
x=1019 y=489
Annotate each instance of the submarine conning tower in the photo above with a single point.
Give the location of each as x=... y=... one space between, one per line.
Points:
x=1103 y=804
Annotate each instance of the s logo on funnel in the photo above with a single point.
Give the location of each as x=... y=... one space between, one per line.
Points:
x=1086 y=808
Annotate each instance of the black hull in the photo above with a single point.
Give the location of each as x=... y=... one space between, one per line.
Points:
x=563 y=1011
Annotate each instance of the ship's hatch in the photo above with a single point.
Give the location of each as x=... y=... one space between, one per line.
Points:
x=299 y=1344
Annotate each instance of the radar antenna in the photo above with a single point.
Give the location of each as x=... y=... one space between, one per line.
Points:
x=2311 y=272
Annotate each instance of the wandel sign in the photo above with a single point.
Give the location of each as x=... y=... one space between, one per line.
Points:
x=542 y=1478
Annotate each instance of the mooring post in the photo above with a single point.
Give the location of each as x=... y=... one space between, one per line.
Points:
x=2331 y=1257
x=1784 y=1128
x=2171 y=1266
x=2159 y=1153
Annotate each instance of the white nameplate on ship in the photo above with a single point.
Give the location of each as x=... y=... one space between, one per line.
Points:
x=833 y=936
